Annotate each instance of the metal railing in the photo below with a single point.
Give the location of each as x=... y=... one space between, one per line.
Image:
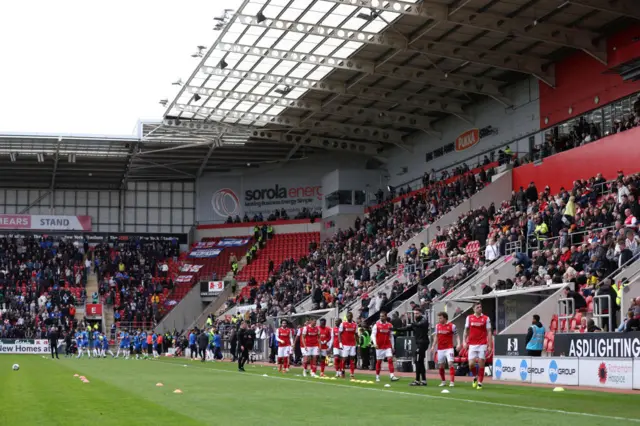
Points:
x=600 y=314
x=566 y=311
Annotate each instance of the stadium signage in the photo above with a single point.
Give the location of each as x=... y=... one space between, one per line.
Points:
x=598 y=345
x=207 y=253
x=211 y=288
x=280 y=193
x=557 y=371
x=512 y=368
x=45 y=222
x=23 y=346
x=233 y=242
x=467 y=139
x=511 y=344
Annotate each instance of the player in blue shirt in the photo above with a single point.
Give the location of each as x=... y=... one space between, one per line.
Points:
x=124 y=345
x=105 y=347
x=97 y=345
x=145 y=345
x=192 y=345
x=154 y=338
x=82 y=340
x=137 y=343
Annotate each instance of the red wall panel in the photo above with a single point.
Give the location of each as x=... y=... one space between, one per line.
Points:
x=616 y=152
x=580 y=78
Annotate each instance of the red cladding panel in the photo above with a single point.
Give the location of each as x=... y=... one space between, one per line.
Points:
x=616 y=152
x=580 y=78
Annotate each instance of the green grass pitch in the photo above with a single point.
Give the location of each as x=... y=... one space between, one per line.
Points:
x=124 y=392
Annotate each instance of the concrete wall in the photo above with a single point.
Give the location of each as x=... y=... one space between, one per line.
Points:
x=184 y=313
x=514 y=123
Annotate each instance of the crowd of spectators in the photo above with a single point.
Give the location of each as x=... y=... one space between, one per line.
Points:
x=337 y=272
x=132 y=274
x=280 y=214
x=41 y=280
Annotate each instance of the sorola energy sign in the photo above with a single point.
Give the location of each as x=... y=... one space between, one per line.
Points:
x=226 y=202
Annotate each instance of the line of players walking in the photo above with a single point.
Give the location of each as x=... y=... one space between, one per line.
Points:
x=317 y=343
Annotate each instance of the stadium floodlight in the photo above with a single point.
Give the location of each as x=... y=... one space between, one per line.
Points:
x=285 y=91
x=196 y=98
x=260 y=17
x=223 y=64
x=13 y=157
x=368 y=17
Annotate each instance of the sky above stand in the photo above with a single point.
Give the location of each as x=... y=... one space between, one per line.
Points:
x=87 y=67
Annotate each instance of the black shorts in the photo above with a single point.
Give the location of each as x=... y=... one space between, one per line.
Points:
x=150 y=349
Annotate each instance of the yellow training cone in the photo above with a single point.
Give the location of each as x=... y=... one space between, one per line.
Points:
x=558 y=389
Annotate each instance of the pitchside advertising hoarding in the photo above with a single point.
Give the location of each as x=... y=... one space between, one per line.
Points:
x=45 y=222
x=604 y=372
x=293 y=190
x=24 y=346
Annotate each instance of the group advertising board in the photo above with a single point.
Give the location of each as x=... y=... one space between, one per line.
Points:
x=607 y=360
x=24 y=346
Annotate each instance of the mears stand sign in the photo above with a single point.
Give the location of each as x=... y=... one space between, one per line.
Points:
x=24 y=346
x=45 y=222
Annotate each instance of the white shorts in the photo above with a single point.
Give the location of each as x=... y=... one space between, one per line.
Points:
x=477 y=351
x=310 y=351
x=348 y=351
x=445 y=355
x=324 y=352
x=284 y=351
x=337 y=352
x=384 y=353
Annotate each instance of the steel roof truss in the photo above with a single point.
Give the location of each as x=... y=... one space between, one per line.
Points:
x=333 y=144
x=629 y=8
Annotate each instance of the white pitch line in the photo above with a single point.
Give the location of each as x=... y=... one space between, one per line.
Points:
x=475 y=401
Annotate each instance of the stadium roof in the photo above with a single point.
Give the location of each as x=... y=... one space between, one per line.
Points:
x=286 y=78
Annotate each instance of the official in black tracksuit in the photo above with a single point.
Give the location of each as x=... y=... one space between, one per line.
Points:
x=203 y=342
x=421 y=331
x=246 y=339
x=53 y=341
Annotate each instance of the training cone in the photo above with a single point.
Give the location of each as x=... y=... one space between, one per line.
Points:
x=177 y=391
x=264 y=375
x=85 y=381
x=370 y=382
x=159 y=384
x=333 y=378
x=558 y=389
x=445 y=391
x=184 y=365
x=75 y=375
x=82 y=377
x=387 y=385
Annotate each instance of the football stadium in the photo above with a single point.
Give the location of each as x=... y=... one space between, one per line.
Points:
x=348 y=212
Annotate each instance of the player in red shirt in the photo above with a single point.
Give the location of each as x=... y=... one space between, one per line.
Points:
x=284 y=336
x=309 y=344
x=443 y=343
x=382 y=340
x=478 y=340
x=325 y=344
x=337 y=348
x=348 y=336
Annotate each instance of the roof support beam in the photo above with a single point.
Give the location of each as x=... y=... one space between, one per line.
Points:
x=434 y=78
x=56 y=158
x=425 y=102
x=133 y=168
x=420 y=122
x=214 y=144
x=508 y=61
x=630 y=8
x=352 y=130
x=344 y=145
x=539 y=31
